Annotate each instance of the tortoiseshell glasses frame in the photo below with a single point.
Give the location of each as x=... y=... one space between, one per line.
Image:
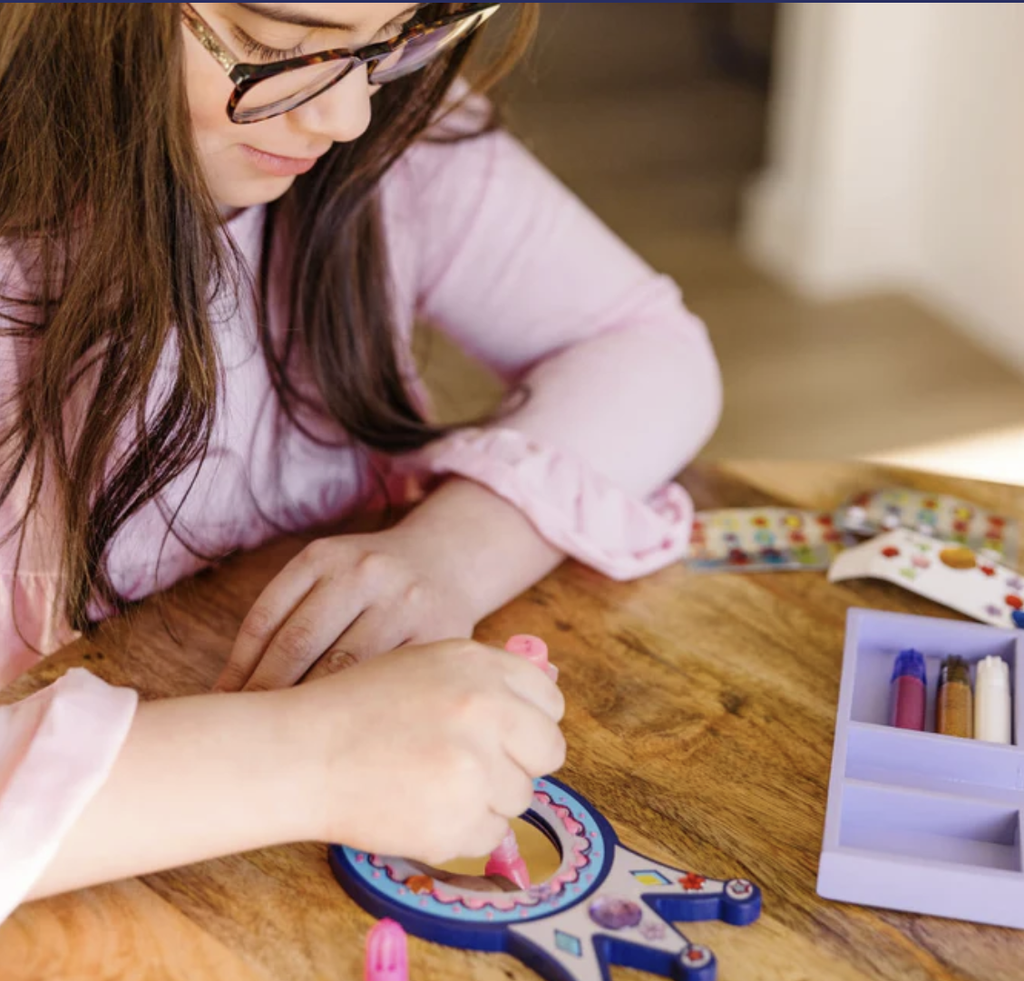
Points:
x=414 y=48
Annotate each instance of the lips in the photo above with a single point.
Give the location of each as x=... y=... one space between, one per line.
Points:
x=277 y=165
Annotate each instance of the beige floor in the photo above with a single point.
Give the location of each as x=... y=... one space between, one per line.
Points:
x=804 y=380
x=662 y=155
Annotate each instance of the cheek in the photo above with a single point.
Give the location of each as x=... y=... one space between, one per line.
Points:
x=209 y=90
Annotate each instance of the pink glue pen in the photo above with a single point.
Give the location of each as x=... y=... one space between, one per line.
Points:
x=535 y=651
x=387 y=953
x=909 y=689
x=505 y=860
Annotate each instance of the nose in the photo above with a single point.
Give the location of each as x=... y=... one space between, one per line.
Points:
x=342 y=113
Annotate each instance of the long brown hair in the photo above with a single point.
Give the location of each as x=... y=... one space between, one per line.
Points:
x=103 y=201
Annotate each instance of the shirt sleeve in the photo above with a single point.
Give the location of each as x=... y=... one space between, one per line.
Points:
x=623 y=385
x=57 y=746
x=56 y=750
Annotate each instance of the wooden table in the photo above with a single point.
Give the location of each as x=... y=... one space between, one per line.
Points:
x=701 y=714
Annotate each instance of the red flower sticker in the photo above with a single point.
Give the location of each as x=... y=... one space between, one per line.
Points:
x=891 y=552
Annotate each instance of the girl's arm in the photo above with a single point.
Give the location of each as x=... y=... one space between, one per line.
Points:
x=623 y=385
x=92 y=790
x=196 y=778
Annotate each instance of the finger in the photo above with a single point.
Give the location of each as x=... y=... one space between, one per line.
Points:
x=261 y=624
x=372 y=633
x=513 y=789
x=533 y=686
x=334 y=661
x=533 y=741
x=380 y=629
x=488 y=833
x=312 y=629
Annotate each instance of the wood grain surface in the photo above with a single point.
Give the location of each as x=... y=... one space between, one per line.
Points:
x=700 y=722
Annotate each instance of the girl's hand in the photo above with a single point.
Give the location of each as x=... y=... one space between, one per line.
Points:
x=344 y=600
x=425 y=752
x=429 y=752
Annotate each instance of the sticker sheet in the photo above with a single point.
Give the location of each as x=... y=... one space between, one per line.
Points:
x=765 y=540
x=945 y=572
x=940 y=516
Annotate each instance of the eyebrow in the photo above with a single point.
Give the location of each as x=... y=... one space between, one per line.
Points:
x=286 y=16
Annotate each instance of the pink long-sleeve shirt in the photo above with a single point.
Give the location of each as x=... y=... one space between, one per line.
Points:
x=490 y=248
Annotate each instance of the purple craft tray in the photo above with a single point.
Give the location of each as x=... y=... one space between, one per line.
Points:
x=917 y=821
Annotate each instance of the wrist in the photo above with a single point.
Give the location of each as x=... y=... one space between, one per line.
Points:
x=303 y=752
x=480 y=544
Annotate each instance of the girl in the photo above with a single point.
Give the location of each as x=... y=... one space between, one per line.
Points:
x=218 y=225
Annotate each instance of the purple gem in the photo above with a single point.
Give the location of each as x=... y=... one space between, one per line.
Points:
x=615 y=914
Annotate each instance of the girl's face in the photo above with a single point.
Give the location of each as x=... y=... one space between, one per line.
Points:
x=257 y=163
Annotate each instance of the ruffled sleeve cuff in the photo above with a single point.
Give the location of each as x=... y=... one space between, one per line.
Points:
x=56 y=750
x=578 y=510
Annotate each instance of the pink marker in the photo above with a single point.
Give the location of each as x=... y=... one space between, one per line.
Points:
x=535 y=651
x=387 y=953
x=505 y=860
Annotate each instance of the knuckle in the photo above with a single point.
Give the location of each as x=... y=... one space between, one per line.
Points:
x=374 y=565
x=472 y=704
x=465 y=778
x=258 y=624
x=296 y=640
x=415 y=594
x=316 y=552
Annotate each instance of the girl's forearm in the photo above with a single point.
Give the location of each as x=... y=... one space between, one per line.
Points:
x=196 y=779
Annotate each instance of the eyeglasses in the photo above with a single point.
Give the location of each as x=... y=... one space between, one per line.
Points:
x=264 y=91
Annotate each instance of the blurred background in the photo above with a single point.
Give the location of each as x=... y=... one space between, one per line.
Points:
x=835 y=187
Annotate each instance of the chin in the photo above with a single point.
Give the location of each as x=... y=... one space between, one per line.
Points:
x=250 y=193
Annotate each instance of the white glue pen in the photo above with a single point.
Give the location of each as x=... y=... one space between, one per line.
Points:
x=992 y=701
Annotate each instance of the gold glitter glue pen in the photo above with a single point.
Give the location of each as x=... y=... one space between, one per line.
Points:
x=992 y=701
x=954 y=709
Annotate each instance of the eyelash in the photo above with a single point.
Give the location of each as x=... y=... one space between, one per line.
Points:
x=254 y=47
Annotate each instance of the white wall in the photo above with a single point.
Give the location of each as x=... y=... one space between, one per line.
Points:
x=896 y=159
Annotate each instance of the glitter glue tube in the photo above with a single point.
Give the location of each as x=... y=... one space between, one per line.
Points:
x=992 y=701
x=954 y=710
x=908 y=691
x=535 y=651
x=505 y=860
x=387 y=953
